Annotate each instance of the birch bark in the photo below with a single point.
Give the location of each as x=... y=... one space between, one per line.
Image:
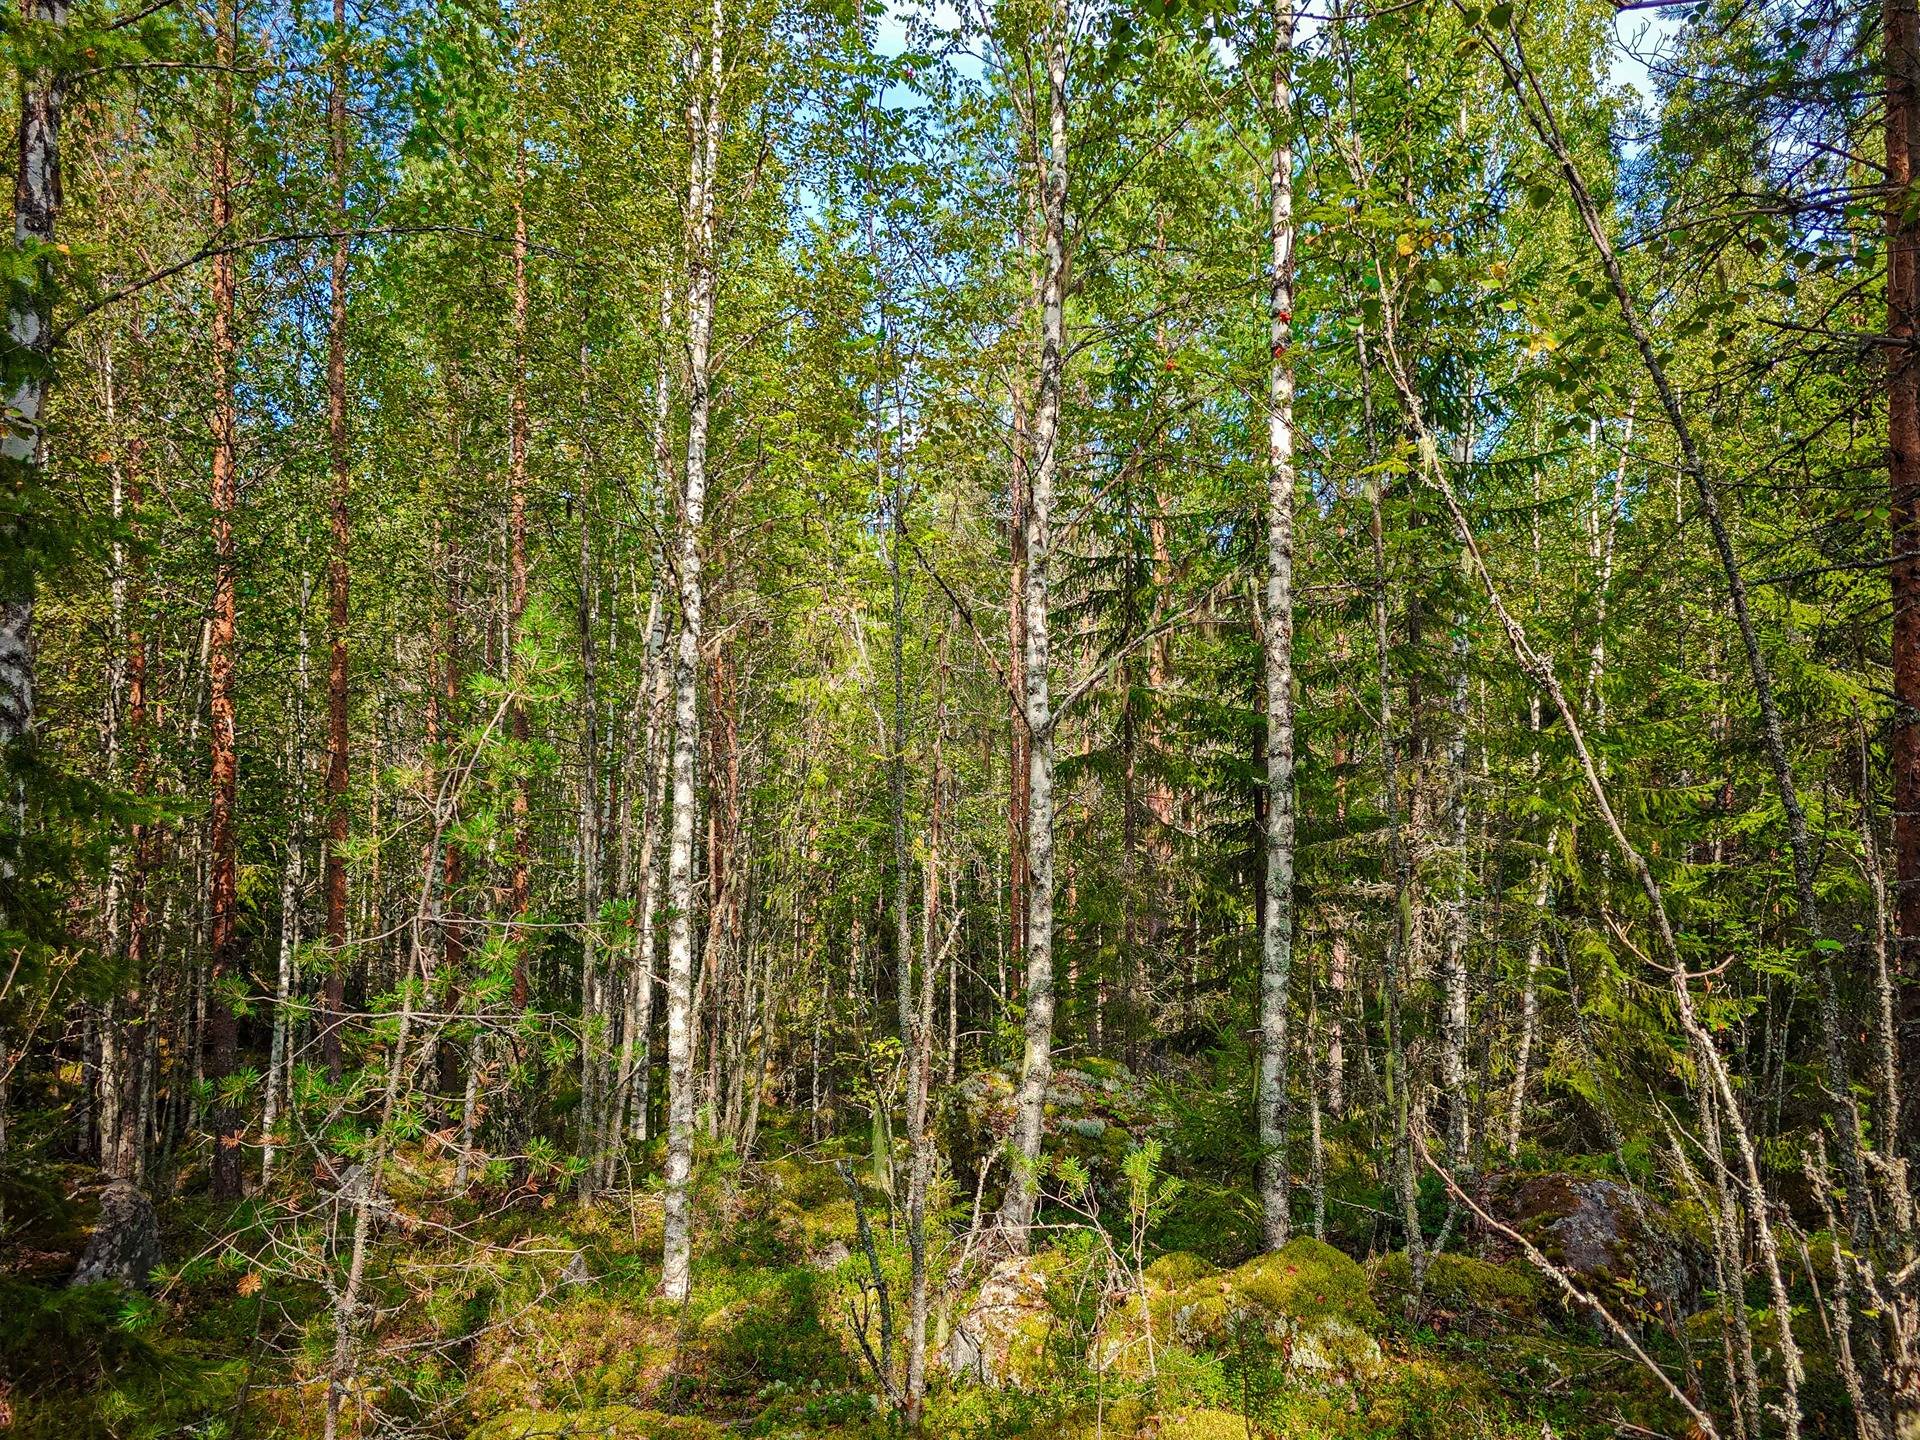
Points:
x=704 y=118
x=1276 y=938
x=1036 y=1065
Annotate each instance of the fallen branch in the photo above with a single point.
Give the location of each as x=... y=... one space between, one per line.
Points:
x=1569 y=1288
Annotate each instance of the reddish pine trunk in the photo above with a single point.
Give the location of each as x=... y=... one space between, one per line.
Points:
x=1903 y=464
x=453 y=939
x=1020 y=741
x=520 y=898
x=337 y=578
x=222 y=1028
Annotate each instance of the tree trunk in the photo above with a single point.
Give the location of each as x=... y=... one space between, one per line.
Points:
x=222 y=896
x=520 y=885
x=1036 y=1063
x=29 y=365
x=1454 y=1014
x=121 y=1146
x=337 y=574
x=291 y=882
x=1276 y=930
x=1903 y=473
x=704 y=116
x=594 y=1014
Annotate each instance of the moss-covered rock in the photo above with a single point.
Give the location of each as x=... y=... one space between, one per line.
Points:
x=605 y=1422
x=1002 y=1338
x=1202 y=1424
x=1463 y=1290
x=1307 y=1279
x=1181 y=1267
x=1307 y=1300
x=1627 y=1249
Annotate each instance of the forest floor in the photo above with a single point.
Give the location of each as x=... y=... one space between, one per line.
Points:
x=1143 y=1311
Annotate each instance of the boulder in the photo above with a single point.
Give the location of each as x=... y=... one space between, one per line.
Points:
x=1002 y=1339
x=1307 y=1301
x=605 y=1422
x=1200 y=1424
x=125 y=1243
x=1462 y=1292
x=1177 y=1268
x=1617 y=1242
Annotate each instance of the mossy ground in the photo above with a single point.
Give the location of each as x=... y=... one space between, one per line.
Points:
x=484 y=1330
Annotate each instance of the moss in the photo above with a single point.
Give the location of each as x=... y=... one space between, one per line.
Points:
x=1179 y=1268
x=1308 y=1279
x=1307 y=1299
x=1206 y=1425
x=577 y=1352
x=607 y=1422
x=1103 y=1070
x=770 y=1332
x=1464 y=1286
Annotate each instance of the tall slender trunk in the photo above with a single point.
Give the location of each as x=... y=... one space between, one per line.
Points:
x=520 y=884
x=1399 y=862
x=292 y=880
x=1276 y=930
x=1454 y=1014
x=918 y=1058
x=704 y=118
x=121 y=1147
x=594 y=1078
x=1902 y=21
x=28 y=365
x=340 y=538
x=222 y=894
x=1019 y=743
x=1530 y=989
x=652 y=852
x=1036 y=1061
x=453 y=937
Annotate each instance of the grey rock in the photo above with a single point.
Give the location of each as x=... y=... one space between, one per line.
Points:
x=125 y=1243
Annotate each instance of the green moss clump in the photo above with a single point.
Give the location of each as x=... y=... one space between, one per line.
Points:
x=1307 y=1299
x=585 y=1351
x=1308 y=1279
x=607 y=1422
x=1206 y=1425
x=1462 y=1285
x=1177 y=1269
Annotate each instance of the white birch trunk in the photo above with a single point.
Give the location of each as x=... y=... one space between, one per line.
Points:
x=704 y=117
x=1036 y=1065
x=1276 y=936
x=36 y=206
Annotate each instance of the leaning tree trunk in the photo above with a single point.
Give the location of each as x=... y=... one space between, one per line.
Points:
x=1844 y=1114
x=1276 y=931
x=1036 y=1064
x=704 y=119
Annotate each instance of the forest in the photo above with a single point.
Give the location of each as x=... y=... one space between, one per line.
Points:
x=1183 y=720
